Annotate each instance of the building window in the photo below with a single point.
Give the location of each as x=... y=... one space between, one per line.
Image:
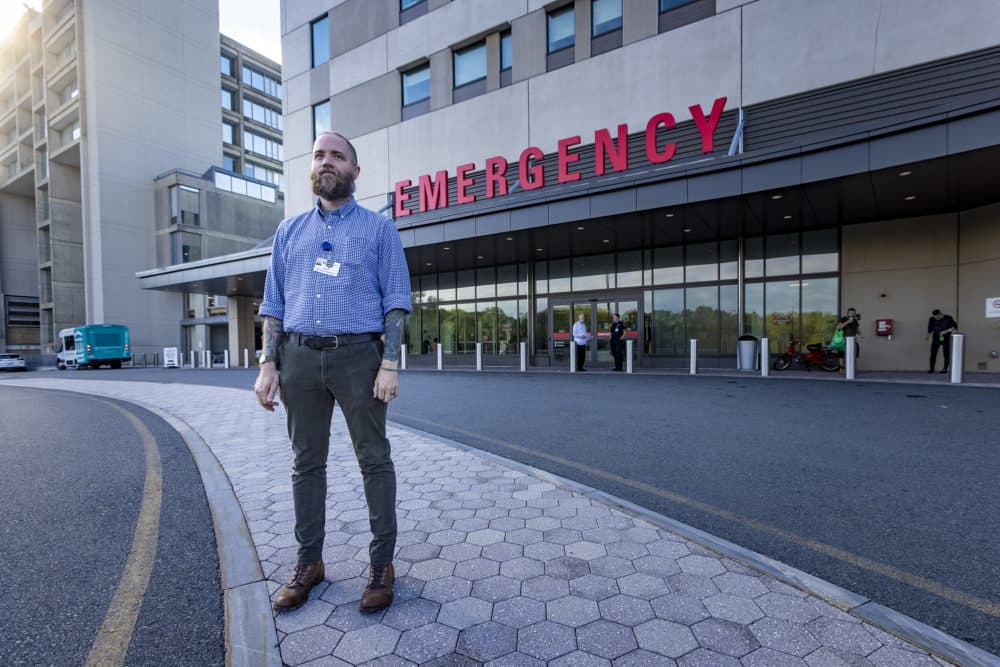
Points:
x=186 y=247
x=411 y=9
x=185 y=205
x=226 y=65
x=675 y=13
x=229 y=163
x=416 y=91
x=606 y=15
x=320 y=41
x=258 y=81
x=228 y=129
x=263 y=174
x=321 y=118
x=561 y=29
x=262 y=145
x=506 y=58
x=227 y=99
x=561 y=38
x=469 y=72
x=262 y=114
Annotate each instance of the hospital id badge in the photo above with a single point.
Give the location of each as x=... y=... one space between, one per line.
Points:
x=327 y=267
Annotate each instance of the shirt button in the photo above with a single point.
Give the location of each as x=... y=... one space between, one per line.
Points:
x=317 y=321
x=318 y=296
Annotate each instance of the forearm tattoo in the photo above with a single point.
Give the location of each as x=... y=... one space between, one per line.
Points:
x=395 y=320
x=272 y=331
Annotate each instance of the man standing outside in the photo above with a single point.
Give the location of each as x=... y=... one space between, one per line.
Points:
x=940 y=327
x=580 y=337
x=849 y=324
x=335 y=301
x=618 y=341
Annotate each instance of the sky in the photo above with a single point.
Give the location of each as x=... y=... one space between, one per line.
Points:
x=256 y=23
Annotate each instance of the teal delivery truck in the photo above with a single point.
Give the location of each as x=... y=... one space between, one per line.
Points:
x=93 y=345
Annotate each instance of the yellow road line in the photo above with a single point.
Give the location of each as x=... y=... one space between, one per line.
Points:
x=115 y=635
x=922 y=583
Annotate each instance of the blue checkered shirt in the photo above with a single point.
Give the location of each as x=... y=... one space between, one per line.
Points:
x=371 y=281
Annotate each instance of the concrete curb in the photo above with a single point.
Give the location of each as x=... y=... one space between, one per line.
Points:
x=908 y=629
x=250 y=635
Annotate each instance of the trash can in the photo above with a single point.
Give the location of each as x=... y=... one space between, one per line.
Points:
x=746 y=353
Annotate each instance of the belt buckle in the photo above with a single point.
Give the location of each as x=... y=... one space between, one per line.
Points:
x=336 y=343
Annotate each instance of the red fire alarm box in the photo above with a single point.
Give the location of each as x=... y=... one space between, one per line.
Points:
x=883 y=327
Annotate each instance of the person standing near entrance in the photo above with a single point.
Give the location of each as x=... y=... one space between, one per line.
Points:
x=618 y=341
x=335 y=301
x=581 y=337
x=849 y=324
x=940 y=327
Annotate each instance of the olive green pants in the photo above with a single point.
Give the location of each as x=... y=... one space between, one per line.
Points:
x=311 y=381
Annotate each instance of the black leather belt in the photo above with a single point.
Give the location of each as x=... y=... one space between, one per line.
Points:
x=332 y=342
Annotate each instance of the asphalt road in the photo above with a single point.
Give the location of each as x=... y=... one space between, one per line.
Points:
x=72 y=473
x=889 y=490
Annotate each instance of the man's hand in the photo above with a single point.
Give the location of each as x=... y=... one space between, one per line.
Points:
x=386 y=382
x=267 y=386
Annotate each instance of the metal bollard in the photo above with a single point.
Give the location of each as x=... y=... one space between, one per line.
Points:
x=192 y=359
x=957 y=357
x=628 y=355
x=694 y=356
x=225 y=357
x=479 y=356
x=206 y=359
x=440 y=351
x=765 y=366
x=402 y=357
x=246 y=358
x=524 y=356
x=849 y=357
x=572 y=356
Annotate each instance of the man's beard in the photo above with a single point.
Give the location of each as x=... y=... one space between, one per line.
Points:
x=334 y=188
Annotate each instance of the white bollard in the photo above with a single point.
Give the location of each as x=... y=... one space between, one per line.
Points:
x=246 y=358
x=479 y=356
x=572 y=356
x=694 y=356
x=226 y=358
x=849 y=357
x=628 y=355
x=206 y=358
x=524 y=356
x=402 y=357
x=765 y=365
x=192 y=359
x=957 y=357
x=440 y=351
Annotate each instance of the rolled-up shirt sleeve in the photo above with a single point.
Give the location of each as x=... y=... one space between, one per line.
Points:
x=273 y=304
x=393 y=274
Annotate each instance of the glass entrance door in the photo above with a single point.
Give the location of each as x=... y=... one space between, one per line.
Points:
x=598 y=316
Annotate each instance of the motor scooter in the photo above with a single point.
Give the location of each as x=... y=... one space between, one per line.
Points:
x=816 y=354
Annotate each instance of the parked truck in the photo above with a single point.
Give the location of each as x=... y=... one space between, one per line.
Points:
x=93 y=346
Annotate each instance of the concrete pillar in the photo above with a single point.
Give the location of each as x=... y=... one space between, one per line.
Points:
x=528 y=46
x=442 y=80
x=640 y=19
x=493 y=61
x=239 y=311
x=581 y=26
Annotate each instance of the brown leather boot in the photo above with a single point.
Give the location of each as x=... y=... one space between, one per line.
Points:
x=378 y=592
x=294 y=594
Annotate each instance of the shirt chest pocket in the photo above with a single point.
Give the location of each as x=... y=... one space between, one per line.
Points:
x=354 y=256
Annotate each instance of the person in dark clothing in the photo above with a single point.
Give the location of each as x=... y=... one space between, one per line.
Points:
x=849 y=325
x=940 y=327
x=618 y=341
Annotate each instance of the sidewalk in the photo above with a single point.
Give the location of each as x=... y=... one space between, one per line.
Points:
x=499 y=566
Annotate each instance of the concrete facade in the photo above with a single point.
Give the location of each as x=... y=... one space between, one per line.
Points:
x=97 y=100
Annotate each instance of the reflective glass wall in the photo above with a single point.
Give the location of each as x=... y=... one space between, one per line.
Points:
x=686 y=291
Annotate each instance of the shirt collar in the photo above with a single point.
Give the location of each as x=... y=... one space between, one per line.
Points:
x=340 y=212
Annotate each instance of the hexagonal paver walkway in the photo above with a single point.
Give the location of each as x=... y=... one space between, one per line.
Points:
x=497 y=567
